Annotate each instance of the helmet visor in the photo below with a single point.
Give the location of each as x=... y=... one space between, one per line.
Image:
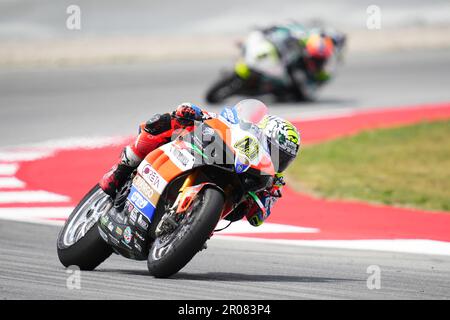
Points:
x=281 y=159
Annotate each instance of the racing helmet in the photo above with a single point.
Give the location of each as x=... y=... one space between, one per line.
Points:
x=283 y=140
x=319 y=49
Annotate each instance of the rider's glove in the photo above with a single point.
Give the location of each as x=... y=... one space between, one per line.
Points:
x=260 y=209
x=187 y=113
x=322 y=76
x=277 y=186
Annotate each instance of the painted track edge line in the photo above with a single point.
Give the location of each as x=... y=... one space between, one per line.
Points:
x=412 y=246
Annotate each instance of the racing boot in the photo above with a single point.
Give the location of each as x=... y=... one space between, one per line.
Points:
x=115 y=178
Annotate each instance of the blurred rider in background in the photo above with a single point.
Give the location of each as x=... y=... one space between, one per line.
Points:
x=310 y=53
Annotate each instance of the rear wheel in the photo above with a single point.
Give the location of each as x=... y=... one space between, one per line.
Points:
x=171 y=251
x=79 y=242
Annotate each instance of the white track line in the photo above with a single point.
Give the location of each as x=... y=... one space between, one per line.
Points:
x=26 y=155
x=8 y=169
x=36 y=215
x=72 y=143
x=244 y=227
x=31 y=197
x=415 y=246
x=11 y=182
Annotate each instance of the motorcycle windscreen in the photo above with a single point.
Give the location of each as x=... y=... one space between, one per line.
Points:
x=251 y=110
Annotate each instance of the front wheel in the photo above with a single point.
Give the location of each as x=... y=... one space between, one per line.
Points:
x=229 y=85
x=79 y=242
x=170 y=252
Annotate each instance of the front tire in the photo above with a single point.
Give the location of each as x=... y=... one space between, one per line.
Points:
x=229 y=85
x=164 y=261
x=85 y=251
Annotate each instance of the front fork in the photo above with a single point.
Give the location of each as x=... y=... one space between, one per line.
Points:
x=168 y=221
x=188 y=182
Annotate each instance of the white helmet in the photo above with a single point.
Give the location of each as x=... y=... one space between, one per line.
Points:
x=283 y=140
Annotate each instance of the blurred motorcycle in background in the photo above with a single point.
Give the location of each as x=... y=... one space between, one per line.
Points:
x=288 y=61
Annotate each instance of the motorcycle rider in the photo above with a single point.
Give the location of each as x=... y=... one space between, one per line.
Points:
x=308 y=55
x=158 y=130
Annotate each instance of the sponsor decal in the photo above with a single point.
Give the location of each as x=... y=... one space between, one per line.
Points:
x=230 y=115
x=137 y=246
x=127 y=236
x=144 y=206
x=137 y=212
x=153 y=178
x=104 y=220
x=143 y=187
x=248 y=146
x=119 y=231
x=139 y=236
x=290 y=147
x=138 y=200
x=241 y=166
x=120 y=217
x=182 y=158
x=133 y=216
x=142 y=223
x=110 y=227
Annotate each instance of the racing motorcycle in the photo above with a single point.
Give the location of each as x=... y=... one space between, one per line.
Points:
x=171 y=204
x=258 y=71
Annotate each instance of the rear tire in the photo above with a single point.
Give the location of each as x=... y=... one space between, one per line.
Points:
x=89 y=251
x=205 y=218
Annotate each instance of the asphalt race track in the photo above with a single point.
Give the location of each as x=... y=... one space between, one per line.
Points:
x=226 y=270
x=42 y=104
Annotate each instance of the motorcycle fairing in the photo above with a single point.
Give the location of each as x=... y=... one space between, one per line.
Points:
x=113 y=226
x=172 y=159
x=261 y=55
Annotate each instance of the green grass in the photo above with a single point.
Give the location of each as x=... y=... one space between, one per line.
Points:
x=406 y=166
